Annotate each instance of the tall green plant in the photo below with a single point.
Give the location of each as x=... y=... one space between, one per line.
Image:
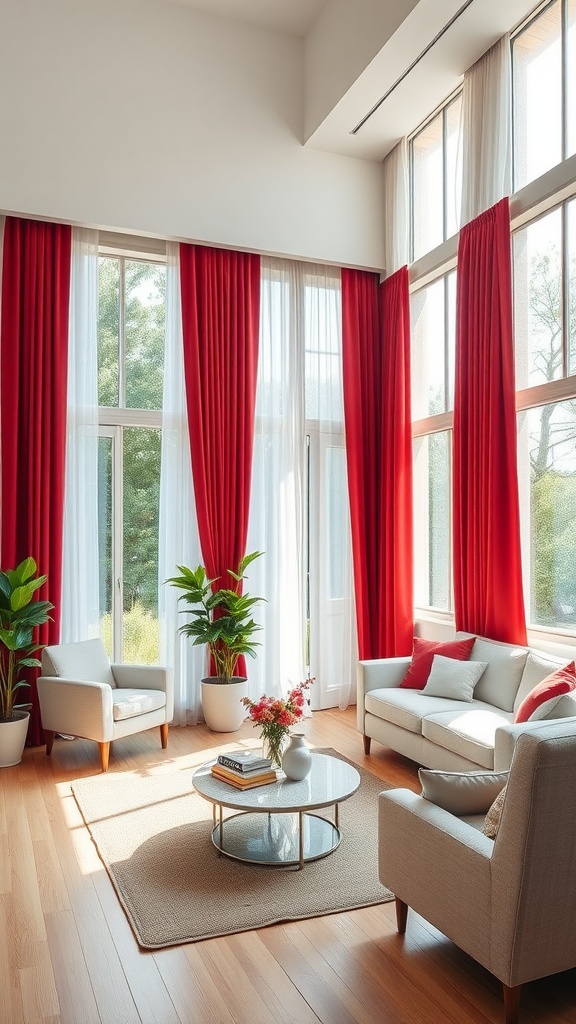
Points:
x=19 y=615
x=222 y=618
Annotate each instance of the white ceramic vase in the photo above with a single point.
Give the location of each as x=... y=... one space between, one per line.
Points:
x=296 y=759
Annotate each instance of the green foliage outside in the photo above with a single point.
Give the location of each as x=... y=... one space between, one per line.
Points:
x=141 y=635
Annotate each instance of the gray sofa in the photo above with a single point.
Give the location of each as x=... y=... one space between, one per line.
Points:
x=454 y=735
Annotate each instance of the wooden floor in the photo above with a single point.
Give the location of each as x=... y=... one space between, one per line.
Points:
x=68 y=956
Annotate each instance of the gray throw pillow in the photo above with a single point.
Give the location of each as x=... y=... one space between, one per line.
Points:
x=462 y=793
x=453 y=679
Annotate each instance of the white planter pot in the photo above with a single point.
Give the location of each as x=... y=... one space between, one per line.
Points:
x=296 y=759
x=221 y=704
x=12 y=739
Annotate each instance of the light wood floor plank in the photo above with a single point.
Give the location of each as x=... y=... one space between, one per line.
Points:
x=75 y=995
x=39 y=996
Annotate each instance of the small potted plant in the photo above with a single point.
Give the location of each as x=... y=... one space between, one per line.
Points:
x=20 y=613
x=221 y=618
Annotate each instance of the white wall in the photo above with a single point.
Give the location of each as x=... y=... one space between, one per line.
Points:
x=149 y=117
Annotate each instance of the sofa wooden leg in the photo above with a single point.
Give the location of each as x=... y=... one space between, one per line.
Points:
x=511 y=1003
x=164 y=735
x=367 y=742
x=104 y=755
x=401 y=915
x=49 y=740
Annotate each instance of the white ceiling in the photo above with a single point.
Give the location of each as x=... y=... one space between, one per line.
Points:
x=293 y=16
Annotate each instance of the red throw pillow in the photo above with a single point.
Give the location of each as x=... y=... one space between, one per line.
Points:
x=555 y=685
x=423 y=652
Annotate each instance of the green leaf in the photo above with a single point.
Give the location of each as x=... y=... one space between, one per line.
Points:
x=27 y=569
x=22 y=595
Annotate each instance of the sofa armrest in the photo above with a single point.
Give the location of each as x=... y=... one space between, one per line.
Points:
x=507 y=735
x=76 y=707
x=375 y=674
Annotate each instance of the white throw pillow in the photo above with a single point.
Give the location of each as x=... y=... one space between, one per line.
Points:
x=453 y=679
x=462 y=793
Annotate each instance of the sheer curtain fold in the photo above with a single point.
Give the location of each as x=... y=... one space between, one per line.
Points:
x=80 y=569
x=396 y=209
x=487 y=134
x=178 y=529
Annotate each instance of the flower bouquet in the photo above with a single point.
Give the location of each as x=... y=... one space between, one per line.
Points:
x=274 y=716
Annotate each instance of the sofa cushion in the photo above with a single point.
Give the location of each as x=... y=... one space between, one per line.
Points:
x=453 y=679
x=127 y=703
x=499 y=683
x=423 y=652
x=407 y=708
x=461 y=793
x=543 y=699
x=469 y=731
x=537 y=667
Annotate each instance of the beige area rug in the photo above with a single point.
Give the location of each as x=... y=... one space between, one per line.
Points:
x=153 y=834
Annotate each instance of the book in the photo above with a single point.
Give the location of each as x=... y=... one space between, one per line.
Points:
x=244 y=761
x=264 y=779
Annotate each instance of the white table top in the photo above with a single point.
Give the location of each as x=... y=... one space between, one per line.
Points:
x=330 y=781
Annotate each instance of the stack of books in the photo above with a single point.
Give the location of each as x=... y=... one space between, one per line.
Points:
x=244 y=770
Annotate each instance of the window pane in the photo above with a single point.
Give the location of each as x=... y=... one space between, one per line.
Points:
x=548 y=441
x=108 y=330
x=453 y=166
x=538 y=301
x=338 y=522
x=432 y=519
x=105 y=539
x=140 y=569
x=451 y=319
x=427 y=202
x=323 y=360
x=537 y=69
x=571 y=271
x=428 y=343
x=145 y=319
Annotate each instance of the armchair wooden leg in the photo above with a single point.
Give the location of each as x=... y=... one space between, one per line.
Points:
x=401 y=915
x=164 y=735
x=511 y=1003
x=49 y=740
x=104 y=755
x=367 y=742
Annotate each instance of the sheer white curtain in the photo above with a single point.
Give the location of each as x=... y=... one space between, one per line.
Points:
x=298 y=509
x=80 y=565
x=396 y=209
x=178 y=530
x=487 y=134
x=276 y=519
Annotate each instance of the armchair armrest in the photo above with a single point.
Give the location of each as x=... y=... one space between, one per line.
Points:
x=374 y=674
x=419 y=841
x=76 y=707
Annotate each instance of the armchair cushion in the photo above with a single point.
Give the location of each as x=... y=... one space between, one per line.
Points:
x=462 y=793
x=84 y=661
x=452 y=678
x=423 y=652
x=127 y=703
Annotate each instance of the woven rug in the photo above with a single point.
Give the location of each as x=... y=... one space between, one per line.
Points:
x=153 y=835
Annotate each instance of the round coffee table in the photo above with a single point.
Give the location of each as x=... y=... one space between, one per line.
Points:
x=274 y=824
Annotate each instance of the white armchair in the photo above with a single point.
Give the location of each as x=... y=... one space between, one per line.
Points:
x=510 y=903
x=82 y=694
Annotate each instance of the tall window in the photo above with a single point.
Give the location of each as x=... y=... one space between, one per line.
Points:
x=544 y=89
x=433 y=315
x=131 y=322
x=545 y=332
x=436 y=179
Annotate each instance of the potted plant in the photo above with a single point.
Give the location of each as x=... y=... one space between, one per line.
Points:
x=221 y=618
x=20 y=613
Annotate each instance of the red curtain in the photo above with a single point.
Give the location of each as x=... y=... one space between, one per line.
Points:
x=487 y=560
x=33 y=387
x=375 y=343
x=220 y=323
x=396 y=523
